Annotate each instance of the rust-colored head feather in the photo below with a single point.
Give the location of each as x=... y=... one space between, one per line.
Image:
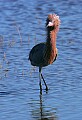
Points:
x=53 y=20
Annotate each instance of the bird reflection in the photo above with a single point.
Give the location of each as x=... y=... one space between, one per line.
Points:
x=41 y=114
x=45 y=115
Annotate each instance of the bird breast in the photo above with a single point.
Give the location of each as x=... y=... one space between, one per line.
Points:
x=50 y=55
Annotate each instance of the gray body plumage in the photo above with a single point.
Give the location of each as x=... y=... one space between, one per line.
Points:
x=37 y=55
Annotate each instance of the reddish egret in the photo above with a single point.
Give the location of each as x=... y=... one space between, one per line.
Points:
x=44 y=54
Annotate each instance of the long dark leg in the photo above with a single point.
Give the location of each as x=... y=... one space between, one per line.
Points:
x=40 y=80
x=44 y=82
x=41 y=76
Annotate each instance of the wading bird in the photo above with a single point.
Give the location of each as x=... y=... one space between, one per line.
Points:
x=43 y=54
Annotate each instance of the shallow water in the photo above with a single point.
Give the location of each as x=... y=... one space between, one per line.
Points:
x=22 y=25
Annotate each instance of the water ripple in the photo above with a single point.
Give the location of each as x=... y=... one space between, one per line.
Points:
x=22 y=26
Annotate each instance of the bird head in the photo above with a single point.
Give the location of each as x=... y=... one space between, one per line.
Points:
x=53 y=21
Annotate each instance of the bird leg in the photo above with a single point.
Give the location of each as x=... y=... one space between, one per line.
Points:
x=40 y=83
x=44 y=82
x=41 y=76
x=40 y=79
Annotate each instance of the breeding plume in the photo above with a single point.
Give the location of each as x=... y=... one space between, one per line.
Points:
x=45 y=53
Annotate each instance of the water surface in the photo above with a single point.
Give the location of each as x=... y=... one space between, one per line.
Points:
x=22 y=25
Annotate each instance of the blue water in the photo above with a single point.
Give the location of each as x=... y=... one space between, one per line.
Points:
x=22 y=25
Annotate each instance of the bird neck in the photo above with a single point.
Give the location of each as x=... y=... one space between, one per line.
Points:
x=51 y=50
x=51 y=39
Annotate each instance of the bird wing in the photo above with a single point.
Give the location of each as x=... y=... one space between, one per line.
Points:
x=36 y=54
